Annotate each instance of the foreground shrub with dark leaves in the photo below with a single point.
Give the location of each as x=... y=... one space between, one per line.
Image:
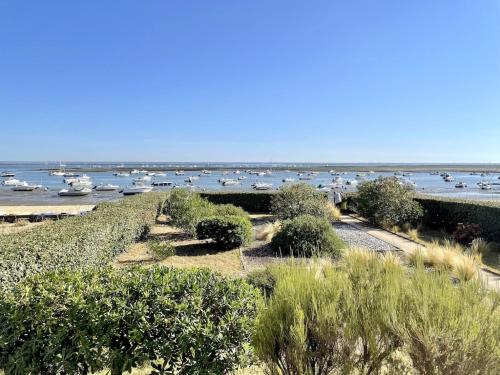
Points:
x=182 y=322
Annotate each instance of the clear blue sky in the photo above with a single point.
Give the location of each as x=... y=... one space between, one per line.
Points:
x=333 y=81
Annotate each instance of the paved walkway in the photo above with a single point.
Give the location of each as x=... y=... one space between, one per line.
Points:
x=491 y=280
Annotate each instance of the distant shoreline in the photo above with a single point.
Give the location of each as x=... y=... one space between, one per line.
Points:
x=492 y=168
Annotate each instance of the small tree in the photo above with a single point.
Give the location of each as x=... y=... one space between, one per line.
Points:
x=299 y=199
x=387 y=202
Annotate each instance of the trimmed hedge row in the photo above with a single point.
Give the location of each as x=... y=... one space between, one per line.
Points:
x=77 y=242
x=249 y=201
x=447 y=213
x=227 y=231
x=184 y=322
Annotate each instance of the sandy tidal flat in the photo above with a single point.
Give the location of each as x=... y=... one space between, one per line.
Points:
x=34 y=210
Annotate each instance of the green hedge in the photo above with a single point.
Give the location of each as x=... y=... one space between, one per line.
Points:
x=184 y=322
x=77 y=242
x=257 y=202
x=227 y=231
x=447 y=213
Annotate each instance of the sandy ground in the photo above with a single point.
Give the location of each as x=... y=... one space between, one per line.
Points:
x=58 y=209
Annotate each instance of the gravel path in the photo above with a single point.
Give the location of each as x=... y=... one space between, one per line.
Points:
x=355 y=237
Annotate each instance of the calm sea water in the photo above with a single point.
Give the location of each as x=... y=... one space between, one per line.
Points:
x=36 y=173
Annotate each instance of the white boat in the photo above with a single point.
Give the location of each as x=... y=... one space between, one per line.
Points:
x=7 y=174
x=179 y=173
x=142 y=179
x=107 y=187
x=121 y=174
x=237 y=172
x=57 y=173
x=206 y=172
x=83 y=183
x=74 y=192
x=230 y=183
x=288 y=179
x=484 y=186
x=11 y=182
x=70 y=180
x=134 y=171
x=304 y=178
x=449 y=178
x=70 y=174
x=461 y=185
x=262 y=186
x=160 y=174
x=24 y=186
x=136 y=190
x=242 y=178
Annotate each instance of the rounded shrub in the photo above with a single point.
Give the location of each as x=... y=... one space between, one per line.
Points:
x=387 y=202
x=180 y=321
x=299 y=199
x=227 y=231
x=307 y=235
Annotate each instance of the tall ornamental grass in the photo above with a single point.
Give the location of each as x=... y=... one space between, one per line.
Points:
x=370 y=315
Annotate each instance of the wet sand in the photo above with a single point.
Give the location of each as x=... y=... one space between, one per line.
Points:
x=56 y=209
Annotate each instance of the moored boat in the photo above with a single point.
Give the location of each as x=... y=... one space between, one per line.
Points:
x=24 y=186
x=74 y=192
x=133 y=190
x=106 y=187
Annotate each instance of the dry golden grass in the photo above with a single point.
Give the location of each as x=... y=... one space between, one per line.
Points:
x=18 y=226
x=449 y=256
x=334 y=213
x=267 y=231
x=189 y=253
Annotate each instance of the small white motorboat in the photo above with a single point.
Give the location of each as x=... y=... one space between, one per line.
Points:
x=242 y=178
x=7 y=174
x=134 y=171
x=461 y=185
x=24 y=186
x=484 y=186
x=179 y=173
x=305 y=178
x=107 y=187
x=262 y=186
x=206 y=172
x=142 y=179
x=80 y=183
x=56 y=173
x=11 y=182
x=137 y=190
x=288 y=179
x=75 y=192
x=230 y=182
x=449 y=178
x=121 y=174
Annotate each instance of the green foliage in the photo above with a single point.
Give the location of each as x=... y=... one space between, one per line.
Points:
x=227 y=231
x=264 y=280
x=448 y=213
x=387 y=203
x=259 y=202
x=187 y=209
x=307 y=235
x=161 y=250
x=184 y=322
x=77 y=242
x=299 y=199
x=369 y=316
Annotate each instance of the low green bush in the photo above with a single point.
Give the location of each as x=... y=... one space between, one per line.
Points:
x=368 y=315
x=180 y=321
x=306 y=236
x=299 y=199
x=387 y=202
x=227 y=231
x=161 y=250
x=258 y=202
x=79 y=242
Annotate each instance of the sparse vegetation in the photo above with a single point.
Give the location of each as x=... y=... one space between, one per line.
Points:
x=161 y=249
